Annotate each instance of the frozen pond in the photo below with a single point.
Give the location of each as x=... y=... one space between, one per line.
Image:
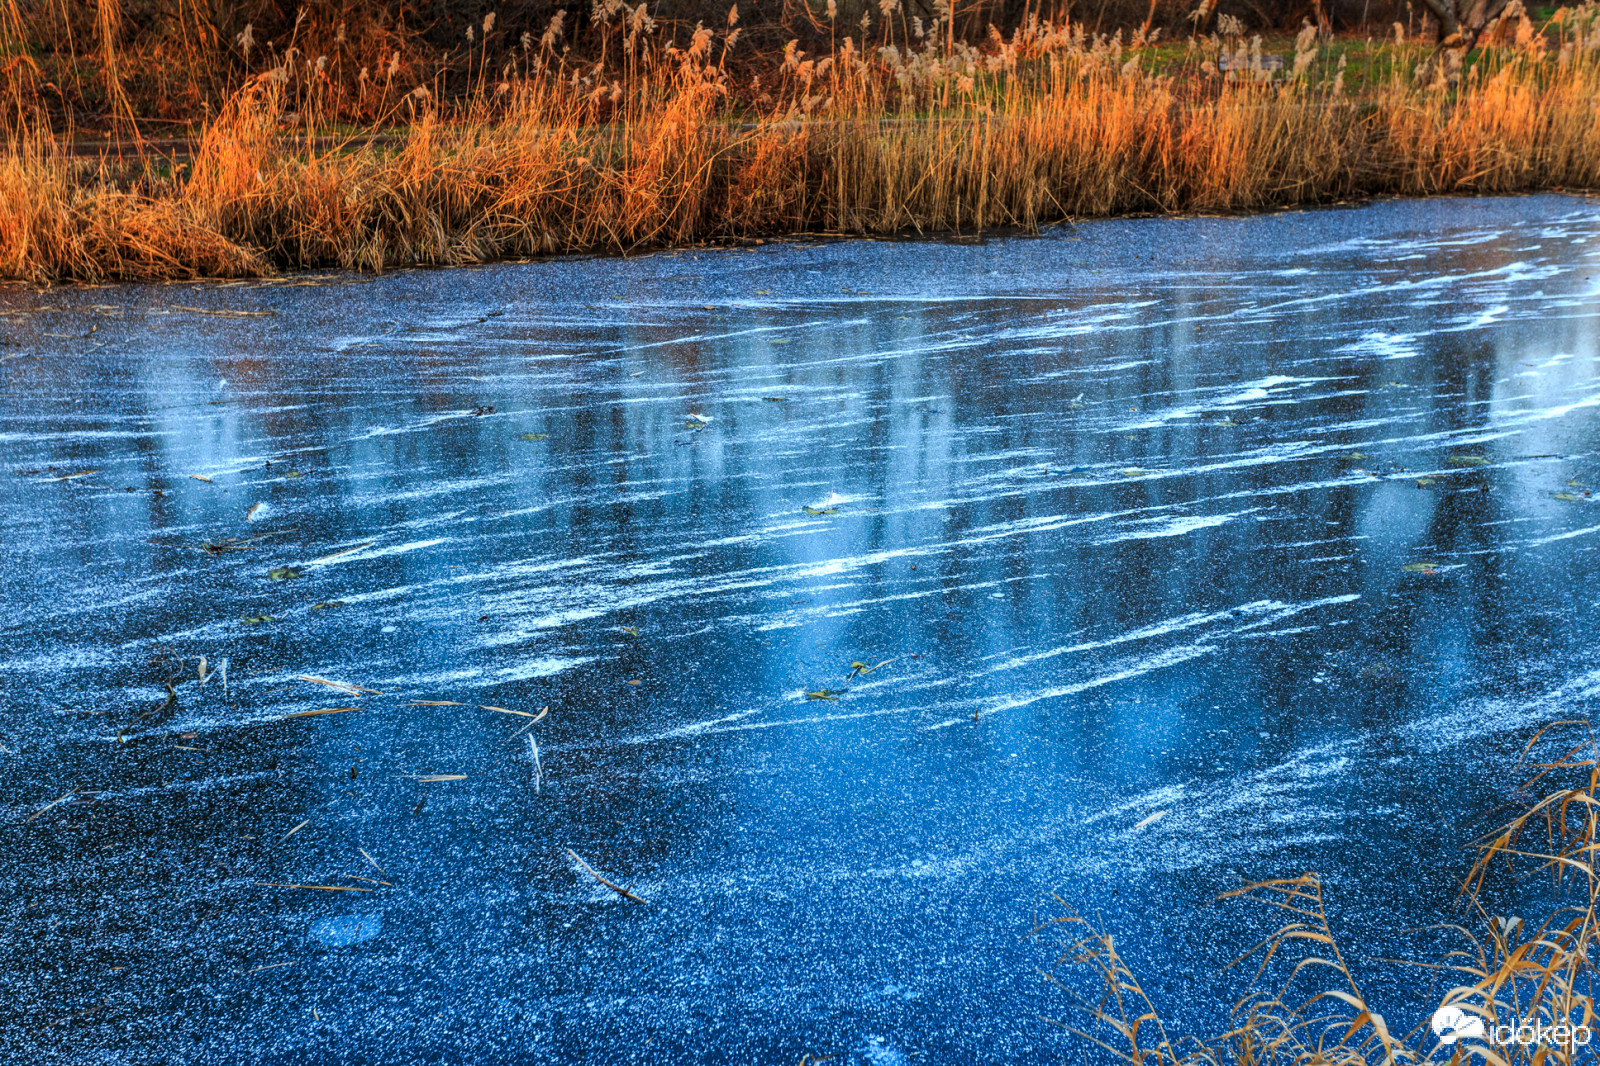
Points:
x=1180 y=552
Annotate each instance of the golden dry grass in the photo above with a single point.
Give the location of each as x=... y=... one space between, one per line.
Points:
x=1305 y=1006
x=657 y=146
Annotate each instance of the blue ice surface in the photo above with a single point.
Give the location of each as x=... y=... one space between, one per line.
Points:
x=1175 y=553
x=343 y=930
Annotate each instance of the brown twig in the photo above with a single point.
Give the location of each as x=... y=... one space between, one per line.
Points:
x=618 y=889
x=52 y=803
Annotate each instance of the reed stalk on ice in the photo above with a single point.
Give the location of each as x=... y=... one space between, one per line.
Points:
x=1516 y=990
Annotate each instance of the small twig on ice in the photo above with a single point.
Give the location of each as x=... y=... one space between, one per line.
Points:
x=74 y=792
x=618 y=889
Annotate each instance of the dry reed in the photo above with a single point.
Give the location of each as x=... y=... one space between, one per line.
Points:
x=1515 y=977
x=656 y=144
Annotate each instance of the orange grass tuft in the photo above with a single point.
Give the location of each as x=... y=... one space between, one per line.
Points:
x=1305 y=1007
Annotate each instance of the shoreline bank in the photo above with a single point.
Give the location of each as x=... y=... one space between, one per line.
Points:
x=668 y=151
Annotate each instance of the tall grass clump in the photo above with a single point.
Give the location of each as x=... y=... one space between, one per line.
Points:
x=1520 y=990
x=60 y=220
x=658 y=138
